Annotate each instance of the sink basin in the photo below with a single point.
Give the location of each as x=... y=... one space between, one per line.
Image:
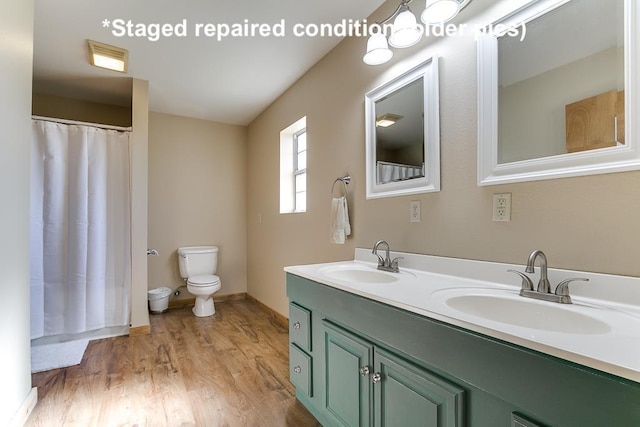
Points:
x=360 y=274
x=509 y=308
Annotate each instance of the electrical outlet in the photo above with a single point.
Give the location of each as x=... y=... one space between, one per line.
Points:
x=414 y=211
x=502 y=207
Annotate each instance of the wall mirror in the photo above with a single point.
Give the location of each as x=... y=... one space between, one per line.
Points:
x=556 y=80
x=403 y=134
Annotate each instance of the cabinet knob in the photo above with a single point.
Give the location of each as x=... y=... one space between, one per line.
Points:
x=296 y=325
x=376 y=378
x=297 y=369
x=364 y=371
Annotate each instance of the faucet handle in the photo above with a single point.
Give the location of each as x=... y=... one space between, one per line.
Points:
x=395 y=260
x=563 y=287
x=380 y=260
x=394 y=263
x=527 y=284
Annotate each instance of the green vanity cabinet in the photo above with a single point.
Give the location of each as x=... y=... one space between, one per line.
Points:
x=364 y=379
x=435 y=374
x=300 y=360
x=348 y=391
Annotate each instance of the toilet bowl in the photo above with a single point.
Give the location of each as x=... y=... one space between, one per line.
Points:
x=203 y=288
x=197 y=266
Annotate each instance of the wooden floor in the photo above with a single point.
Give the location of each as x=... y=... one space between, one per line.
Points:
x=227 y=370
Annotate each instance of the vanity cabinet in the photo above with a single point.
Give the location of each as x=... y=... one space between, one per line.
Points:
x=435 y=374
x=300 y=360
x=364 y=379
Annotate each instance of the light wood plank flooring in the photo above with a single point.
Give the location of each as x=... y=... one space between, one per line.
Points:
x=227 y=370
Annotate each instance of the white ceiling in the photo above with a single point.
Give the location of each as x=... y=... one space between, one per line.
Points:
x=229 y=81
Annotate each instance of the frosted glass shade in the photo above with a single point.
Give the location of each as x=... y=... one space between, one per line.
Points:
x=378 y=51
x=406 y=31
x=439 y=11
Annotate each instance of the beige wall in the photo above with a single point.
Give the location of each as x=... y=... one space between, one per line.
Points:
x=139 y=143
x=16 y=51
x=587 y=223
x=84 y=111
x=197 y=188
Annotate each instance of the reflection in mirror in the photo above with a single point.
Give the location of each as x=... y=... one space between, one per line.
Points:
x=553 y=103
x=402 y=134
x=564 y=100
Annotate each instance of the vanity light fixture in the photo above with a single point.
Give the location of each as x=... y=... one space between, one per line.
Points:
x=387 y=119
x=440 y=11
x=107 y=56
x=405 y=31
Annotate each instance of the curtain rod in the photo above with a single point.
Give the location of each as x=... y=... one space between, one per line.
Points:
x=75 y=122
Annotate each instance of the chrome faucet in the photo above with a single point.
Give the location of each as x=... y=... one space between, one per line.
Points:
x=543 y=292
x=543 y=283
x=386 y=263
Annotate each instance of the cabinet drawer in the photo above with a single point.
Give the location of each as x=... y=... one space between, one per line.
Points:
x=299 y=326
x=300 y=365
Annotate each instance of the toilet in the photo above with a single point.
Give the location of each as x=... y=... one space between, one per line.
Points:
x=198 y=265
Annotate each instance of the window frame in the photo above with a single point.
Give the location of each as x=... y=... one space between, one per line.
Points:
x=299 y=171
x=289 y=156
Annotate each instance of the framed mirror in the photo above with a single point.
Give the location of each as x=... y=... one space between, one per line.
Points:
x=556 y=81
x=403 y=134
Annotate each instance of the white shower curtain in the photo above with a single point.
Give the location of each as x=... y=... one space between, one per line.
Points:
x=80 y=229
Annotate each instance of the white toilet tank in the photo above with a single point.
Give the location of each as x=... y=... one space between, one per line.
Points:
x=197 y=260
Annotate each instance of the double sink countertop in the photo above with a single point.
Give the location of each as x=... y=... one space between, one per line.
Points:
x=601 y=329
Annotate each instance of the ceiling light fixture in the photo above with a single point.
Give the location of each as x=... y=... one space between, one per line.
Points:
x=387 y=119
x=107 y=56
x=405 y=31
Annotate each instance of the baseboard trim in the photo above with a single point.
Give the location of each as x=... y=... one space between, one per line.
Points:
x=182 y=302
x=190 y=302
x=274 y=314
x=140 y=330
x=22 y=415
x=230 y=297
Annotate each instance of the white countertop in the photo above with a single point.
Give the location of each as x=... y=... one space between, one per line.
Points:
x=424 y=282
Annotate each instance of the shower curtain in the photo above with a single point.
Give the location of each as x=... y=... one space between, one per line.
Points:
x=80 y=229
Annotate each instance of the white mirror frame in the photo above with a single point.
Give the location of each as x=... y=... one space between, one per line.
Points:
x=428 y=71
x=605 y=160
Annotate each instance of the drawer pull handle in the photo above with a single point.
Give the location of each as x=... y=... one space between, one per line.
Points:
x=297 y=369
x=296 y=325
x=376 y=378
x=364 y=371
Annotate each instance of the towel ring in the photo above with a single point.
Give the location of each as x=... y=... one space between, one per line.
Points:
x=345 y=180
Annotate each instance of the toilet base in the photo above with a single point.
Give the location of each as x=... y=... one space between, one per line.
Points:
x=204 y=307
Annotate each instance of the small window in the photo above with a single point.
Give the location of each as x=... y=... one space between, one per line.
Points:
x=293 y=167
x=300 y=170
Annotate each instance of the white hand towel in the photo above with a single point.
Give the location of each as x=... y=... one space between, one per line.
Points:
x=340 y=227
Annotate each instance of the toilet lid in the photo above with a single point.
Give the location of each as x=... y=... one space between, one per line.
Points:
x=204 y=280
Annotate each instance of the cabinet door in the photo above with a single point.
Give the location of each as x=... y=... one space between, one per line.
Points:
x=347 y=392
x=591 y=123
x=407 y=395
